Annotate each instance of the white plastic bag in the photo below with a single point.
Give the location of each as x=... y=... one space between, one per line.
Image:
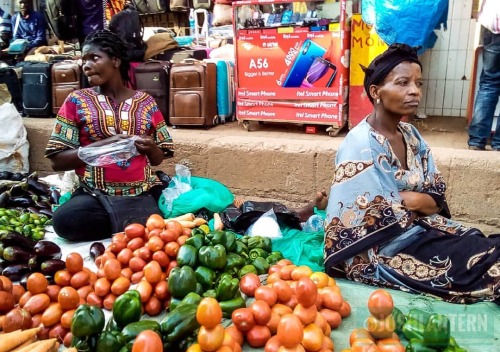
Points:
x=181 y=184
x=14 y=147
x=266 y=226
x=121 y=150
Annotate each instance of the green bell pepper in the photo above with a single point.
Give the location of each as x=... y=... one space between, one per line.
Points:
x=197 y=241
x=216 y=237
x=130 y=332
x=127 y=308
x=241 y=249
x=111 y=325
x=399 y=319
x=197 y=231
x=205 y=276
x=261 y=265
x=87 y=321
x=257 y=252
x=181 y=281
x=419 y=315
x=187 y=255
x=260 y=242
x=213 y=257
x=174 y=303
x=84 y=344
x=229 y=306
x=180 y=322
x=230 y=243
x=109 y=341
x=274 y=257
x=210 y=293
x=191 y=298
x=227 y=287
x=437 y=331
x=249 y=268
x=233 y=261
x=413 y=329
x=418 y=345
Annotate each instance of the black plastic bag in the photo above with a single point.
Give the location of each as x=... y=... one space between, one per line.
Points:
x=240 y=219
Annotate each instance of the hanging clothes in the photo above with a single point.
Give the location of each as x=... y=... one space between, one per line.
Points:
x=406 y=21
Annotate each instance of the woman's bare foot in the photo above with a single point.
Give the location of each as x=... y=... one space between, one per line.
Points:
x=320 y=202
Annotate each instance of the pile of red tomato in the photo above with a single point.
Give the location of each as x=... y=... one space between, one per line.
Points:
x=295 y=310
x=142 y=255
x=379 y=333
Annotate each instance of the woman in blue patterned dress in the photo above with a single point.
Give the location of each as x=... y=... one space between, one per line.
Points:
x=388 y=222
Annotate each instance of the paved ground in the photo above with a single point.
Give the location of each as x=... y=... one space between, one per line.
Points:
x=281 y=162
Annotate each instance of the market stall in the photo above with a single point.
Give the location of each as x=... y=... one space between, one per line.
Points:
x=292 y=62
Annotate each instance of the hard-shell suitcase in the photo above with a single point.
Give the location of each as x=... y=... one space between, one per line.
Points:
x=9 y=76
x=225 y=89
x=152 y=77
x=37 y=89
x=193 y=94
x=65 y=79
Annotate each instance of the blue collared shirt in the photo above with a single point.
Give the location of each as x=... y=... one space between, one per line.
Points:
x=32 y=28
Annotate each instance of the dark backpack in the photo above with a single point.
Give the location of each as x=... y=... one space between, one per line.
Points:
x=62 y=18
x=128 y=26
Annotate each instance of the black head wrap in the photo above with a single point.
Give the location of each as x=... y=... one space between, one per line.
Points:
x=383 y=64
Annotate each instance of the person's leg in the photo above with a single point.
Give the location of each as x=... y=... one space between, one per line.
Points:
x=487 y=95
x=82 y=218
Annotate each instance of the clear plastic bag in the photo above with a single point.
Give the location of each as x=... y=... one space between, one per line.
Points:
x=121 y=150
x=181 y=184
x=266 y=226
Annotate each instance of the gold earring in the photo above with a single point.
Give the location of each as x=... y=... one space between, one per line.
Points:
x=378 y=101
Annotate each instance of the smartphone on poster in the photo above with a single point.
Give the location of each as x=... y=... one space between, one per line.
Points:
x=319 y=69
x=302 y=63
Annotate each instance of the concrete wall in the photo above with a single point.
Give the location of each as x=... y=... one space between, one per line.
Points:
x=291 y=168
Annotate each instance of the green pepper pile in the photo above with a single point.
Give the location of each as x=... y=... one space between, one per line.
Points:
x=29 y=224
x=428 y=332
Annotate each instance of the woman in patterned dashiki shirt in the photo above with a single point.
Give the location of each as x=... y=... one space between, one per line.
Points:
x=388 y=222
x=97 y=116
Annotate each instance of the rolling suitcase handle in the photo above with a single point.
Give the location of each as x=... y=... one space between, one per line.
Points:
x=204 y=26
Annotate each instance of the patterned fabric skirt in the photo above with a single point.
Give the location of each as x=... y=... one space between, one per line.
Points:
x=459 y=269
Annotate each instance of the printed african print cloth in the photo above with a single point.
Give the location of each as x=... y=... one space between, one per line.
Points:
x=371 y=238
x=87 y=116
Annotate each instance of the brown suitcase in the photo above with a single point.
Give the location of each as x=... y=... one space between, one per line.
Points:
x=152 y=77
x=65 y=79
x=193 y=94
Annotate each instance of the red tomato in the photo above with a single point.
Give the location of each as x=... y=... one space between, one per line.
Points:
x=209 y=313
x=306 y=292
x=135 y=230
x=380 y=304
x=243 y=319
x=147 y=340
x=267 y=294
x=258 y=336
x=249 y=283
x=290 y=330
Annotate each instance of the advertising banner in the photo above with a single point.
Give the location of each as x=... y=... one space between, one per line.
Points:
x=288 y=58
x=365 y=46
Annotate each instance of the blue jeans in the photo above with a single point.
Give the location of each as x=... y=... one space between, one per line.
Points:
x=487 y=95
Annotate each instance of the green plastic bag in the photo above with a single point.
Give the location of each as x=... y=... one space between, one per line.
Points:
x=205 y=193
x=302 y=248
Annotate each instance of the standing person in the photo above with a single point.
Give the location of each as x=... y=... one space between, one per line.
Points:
x=30 y=25
x=5 y=30
x=90 y=17
x=388 y=221
x=489 y=81
x=99 y=116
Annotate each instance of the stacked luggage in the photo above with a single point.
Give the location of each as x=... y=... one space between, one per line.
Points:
x=188 y=92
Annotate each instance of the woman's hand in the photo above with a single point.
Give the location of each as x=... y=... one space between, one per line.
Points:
x=418 y=202
x=146 y=145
